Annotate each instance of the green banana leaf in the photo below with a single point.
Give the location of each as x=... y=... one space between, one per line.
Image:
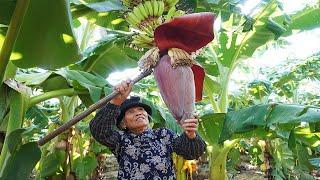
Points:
x=112 y=60
x=54 y=82
x=4 y=102
x=98 y=148
x=6 y=10
x=300 y=153
x=265 y=27
x=37 y=116
x=306 y=19
x=51 y=163
x=306 y=70
x=81 y=79
x=21 y=162
x=235 y=46
x=170 y=122
x=210 y=85
x=46 y=39
x=83 y=166
x=283 y=158
x=101 y=6
x=109 y=56
x=210 y=126
x=103 y=13
x=30 y=79
x=2 y=36
x=15 y=140
x=270 y=116
x=259 y=88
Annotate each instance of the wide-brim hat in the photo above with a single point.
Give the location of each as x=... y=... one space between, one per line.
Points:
x=134 y=101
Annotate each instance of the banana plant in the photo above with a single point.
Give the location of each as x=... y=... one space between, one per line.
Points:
x=101 y=59
x=285 y=142
x=238 y=38
x=17 y=51
x=84 y=83
x=285 y=83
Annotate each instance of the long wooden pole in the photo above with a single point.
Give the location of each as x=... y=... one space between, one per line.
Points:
x=88 y=111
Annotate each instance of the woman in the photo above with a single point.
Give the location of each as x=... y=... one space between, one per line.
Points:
x=142 y=153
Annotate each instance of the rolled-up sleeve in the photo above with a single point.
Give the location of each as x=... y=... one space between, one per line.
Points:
x=103 y=127
x=189 y=148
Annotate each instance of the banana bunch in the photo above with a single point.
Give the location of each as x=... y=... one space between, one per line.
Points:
x=143 y=41
x=146 y=13
x=146 y=16
x=180 y=57
x=149 y=59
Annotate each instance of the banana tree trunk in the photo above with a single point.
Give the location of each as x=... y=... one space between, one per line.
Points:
x=180 y=172
x=218 y=159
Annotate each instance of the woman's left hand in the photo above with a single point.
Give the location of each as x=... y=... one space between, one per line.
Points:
x=190 y=127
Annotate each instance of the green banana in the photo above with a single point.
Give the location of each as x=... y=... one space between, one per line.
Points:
x=141 y=43
x=131 y=17
x=132 y=23
x=146 y=9
x=142 y=10
x=148 y=30
x=138 y=14
x=155 y=7
x=146 y=38
x=161 y=8
x=170 y=13
x=149 y=7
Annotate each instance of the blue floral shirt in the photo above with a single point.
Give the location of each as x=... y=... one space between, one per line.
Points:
x=147 y=155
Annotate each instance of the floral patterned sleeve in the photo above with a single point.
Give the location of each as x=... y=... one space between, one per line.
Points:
x=187 y=148
x=102 y=127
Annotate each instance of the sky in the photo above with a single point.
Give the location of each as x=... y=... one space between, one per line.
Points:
x=300 y=45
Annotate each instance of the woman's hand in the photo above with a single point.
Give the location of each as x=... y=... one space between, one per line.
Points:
x=124 y=89
x=190 y=127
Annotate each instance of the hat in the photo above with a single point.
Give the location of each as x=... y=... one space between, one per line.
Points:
x=134 y=101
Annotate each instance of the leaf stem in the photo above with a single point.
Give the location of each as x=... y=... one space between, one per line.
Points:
x=52 y=94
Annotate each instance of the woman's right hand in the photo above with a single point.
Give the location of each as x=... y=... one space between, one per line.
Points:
x=124 y=89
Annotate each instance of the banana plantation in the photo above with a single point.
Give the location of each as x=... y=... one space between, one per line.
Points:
x=250 y=67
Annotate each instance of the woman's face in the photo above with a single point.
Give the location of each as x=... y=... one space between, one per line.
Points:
x=136 y=118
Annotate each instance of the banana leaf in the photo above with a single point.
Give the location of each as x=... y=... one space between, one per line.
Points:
x=46 y=38
x=6 y=11
x=21 y=162
x=271 y=117
x=106 y=13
